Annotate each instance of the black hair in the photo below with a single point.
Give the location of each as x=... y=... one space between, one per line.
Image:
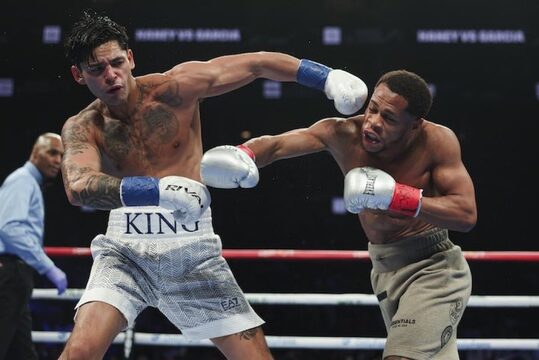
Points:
x=411 y=87
x=89 y=32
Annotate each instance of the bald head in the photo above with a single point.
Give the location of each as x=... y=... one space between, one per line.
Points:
x=47 y=154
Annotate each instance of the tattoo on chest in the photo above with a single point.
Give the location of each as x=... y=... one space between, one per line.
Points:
x=117 y=141
x=169 y=94
x=160 y=125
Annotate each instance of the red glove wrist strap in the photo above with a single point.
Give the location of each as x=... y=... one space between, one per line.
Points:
x=406 y=200
x=247 y=151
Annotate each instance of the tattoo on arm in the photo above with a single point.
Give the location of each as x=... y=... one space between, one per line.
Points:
x=101 y=192
x=75 y=139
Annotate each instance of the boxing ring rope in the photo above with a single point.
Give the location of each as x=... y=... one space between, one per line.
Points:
x=130 y=337
x=285 y=254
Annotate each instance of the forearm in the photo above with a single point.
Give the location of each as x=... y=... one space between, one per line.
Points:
x=451 y=212
x=265 y=149
x=275 y=66
x=94 y=189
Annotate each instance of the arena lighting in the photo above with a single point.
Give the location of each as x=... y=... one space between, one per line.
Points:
x=272 y=89
x=471 y=36
x=6 y=87
x=331 y=35
x=52 y=34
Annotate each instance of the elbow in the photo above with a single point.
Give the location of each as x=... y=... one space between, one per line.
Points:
x=73 y=191
x=468 y=221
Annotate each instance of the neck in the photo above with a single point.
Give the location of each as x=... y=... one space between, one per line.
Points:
x=124 y=110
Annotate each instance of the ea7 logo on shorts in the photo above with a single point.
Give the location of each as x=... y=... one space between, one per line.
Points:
x=230 y=303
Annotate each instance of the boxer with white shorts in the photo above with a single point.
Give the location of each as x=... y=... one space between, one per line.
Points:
x=138 y=147
x=147 y=259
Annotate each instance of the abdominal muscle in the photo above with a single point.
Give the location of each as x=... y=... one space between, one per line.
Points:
x=383 y=228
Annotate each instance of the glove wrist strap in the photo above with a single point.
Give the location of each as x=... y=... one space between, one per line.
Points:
x=139 y=191
x=406 y=200
x=248 y=151
x=312 y=74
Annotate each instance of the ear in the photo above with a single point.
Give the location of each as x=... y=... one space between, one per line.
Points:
x=77 y=75
x=131 y=58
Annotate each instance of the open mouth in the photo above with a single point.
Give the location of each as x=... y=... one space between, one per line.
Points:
x=371 y=137
x=114 y=89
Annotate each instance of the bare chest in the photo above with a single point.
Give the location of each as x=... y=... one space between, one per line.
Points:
x=412 y=168
x=153 y=134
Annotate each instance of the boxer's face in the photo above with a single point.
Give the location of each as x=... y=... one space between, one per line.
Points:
x=48 y=158
x=107 y=73
x=386 y=120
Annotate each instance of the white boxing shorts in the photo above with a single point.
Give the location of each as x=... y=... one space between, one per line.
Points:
x=146 y=259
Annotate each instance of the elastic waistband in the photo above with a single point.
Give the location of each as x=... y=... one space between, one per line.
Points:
x=154 y=222
x=393 y=256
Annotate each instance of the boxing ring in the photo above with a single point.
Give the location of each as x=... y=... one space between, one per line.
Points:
x=130 y=338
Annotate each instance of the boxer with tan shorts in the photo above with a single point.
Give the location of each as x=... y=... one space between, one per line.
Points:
x=421 y=317
x=405 y=179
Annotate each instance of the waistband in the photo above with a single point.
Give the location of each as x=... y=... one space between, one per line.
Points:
x=393 y=256
x=154 y=222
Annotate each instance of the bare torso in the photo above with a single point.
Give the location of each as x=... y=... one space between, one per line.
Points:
x=160 y=137
x=412 y=167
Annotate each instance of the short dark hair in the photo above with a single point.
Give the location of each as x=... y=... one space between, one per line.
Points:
x=91 y=31
x=412 y=87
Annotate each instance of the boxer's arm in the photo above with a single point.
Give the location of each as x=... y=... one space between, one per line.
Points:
x=227 y=73
x=454 y=206
x=84 y=182
x=270 y=148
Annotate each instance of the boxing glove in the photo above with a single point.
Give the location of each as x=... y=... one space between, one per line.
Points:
x=348 y=92
x=58 y=278
x=228 y=167
x=188 y=199
x=370 y=188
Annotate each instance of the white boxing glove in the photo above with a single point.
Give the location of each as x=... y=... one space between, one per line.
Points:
x=347 y=91
x=370 y=188
x=228 y=167
x=188 y=199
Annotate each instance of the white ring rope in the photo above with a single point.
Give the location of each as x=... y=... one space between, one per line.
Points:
x=322 y=299
x=297 y=342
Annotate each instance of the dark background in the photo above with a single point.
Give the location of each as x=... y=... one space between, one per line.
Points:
x=487 y=93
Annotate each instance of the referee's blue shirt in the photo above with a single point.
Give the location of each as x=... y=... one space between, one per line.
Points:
x=22 y=217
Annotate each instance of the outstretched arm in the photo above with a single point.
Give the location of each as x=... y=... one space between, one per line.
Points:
x=227 y=73
x=237 y=166
x=268 y=149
